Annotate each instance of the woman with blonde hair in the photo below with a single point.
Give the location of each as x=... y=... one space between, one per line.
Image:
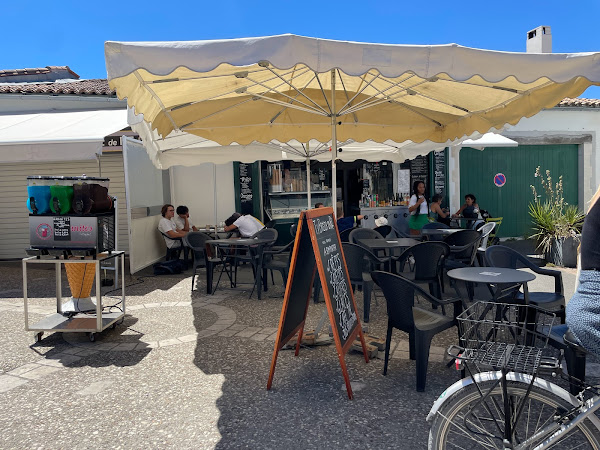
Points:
x=583 y=310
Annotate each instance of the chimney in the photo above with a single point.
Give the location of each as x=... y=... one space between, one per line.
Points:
x=539 y=40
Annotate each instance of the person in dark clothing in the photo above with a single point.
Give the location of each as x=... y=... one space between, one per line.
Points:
x=583 y=310
x=344 y=223
x=469 y=210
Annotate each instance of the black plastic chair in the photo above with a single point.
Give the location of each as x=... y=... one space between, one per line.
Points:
x=363 y=233
x=270 y=262
x=383 y=230
x=196 y=241
x=502 y=256
x=360 y=262
x=435 y=226
x=463 y=249
x=369 y=233
x=345 y=235
x=420 y=323
x=429 y=260
x=402 y=234
x=175 y=252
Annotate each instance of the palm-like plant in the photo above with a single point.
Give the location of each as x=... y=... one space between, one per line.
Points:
x=553 y=219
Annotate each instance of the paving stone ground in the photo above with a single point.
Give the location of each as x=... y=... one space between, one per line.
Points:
x=187 y=370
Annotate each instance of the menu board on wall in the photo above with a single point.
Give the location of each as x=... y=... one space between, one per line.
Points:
x=419 y=171
x=403 y=181
x=439 y=173
x=246 y=195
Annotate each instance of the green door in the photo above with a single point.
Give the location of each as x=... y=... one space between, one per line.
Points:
x=479 y=168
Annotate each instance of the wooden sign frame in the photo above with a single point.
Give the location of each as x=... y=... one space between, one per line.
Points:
x=306 y=228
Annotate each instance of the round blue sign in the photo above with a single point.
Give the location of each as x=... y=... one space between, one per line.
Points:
x=499 y=179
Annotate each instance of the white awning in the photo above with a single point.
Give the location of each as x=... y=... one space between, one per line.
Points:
x=57 y=136
x=490 y=140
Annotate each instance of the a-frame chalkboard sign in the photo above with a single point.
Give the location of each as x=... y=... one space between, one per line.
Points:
x=318 y=248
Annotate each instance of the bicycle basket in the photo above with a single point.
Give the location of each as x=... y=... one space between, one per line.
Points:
x=502 y=335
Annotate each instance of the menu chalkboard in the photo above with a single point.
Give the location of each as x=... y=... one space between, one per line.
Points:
x=246 y=195
x=419 y=171
x=318 y=244
x=439 y=173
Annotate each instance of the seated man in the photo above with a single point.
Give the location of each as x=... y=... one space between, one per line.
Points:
x=182 y=219
x=167 y=226
x=246 y=224
x=319 y=205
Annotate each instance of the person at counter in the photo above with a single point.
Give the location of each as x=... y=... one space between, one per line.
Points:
x=247 y=225
x=417 y=206
x=167 y=226
x=182 y=219
x=437 y=212
x=319 y=205
x=345 y=223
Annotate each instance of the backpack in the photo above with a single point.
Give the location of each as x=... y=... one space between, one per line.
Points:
x=174 y=266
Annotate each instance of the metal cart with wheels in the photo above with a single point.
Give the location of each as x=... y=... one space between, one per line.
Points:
x=79 y=322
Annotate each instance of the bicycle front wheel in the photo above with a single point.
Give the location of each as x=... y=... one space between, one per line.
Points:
x=468 y=421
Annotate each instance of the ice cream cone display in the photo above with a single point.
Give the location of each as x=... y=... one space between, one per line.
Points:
x=81 y=280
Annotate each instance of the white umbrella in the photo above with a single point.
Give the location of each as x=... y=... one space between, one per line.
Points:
x=292 y=87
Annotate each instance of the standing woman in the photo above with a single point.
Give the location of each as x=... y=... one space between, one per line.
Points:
x=418 y=208
x=583 y=310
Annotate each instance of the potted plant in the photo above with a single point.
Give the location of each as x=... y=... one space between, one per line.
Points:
x=556 y=224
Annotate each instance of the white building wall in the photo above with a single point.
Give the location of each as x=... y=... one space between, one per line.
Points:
x=195 y=188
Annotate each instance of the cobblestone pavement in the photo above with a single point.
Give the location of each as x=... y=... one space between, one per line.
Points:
x=187 y=370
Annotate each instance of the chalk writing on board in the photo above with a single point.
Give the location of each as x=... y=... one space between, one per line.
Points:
x=337 y=278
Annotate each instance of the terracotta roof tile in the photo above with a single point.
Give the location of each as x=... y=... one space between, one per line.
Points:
x=36 y=71
x=579 y=102
x=82 y=87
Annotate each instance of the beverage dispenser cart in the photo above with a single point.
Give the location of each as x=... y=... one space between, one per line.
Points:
x=81 y=237
x=80 y=319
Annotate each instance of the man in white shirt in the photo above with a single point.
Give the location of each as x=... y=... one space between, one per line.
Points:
x=167 y=226
x=247 y=225
x=182 y=219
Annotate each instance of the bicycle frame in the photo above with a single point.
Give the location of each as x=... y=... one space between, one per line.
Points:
x=587 y=409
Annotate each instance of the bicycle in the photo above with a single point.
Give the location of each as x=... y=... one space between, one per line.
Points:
x=510 y=406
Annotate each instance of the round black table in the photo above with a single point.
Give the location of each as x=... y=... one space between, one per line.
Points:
x=383 y=244
x=427 y=232
x=493 y=275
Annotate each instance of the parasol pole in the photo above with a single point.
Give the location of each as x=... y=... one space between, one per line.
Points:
x=333 y=146
x=215 y=197
x=308 y=174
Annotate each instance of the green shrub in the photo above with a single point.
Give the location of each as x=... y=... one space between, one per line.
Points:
x=552 y=218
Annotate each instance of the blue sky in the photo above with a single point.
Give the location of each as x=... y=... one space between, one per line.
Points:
x=72 y=33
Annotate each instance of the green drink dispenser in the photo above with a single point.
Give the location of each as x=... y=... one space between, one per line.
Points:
x=61 y=194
